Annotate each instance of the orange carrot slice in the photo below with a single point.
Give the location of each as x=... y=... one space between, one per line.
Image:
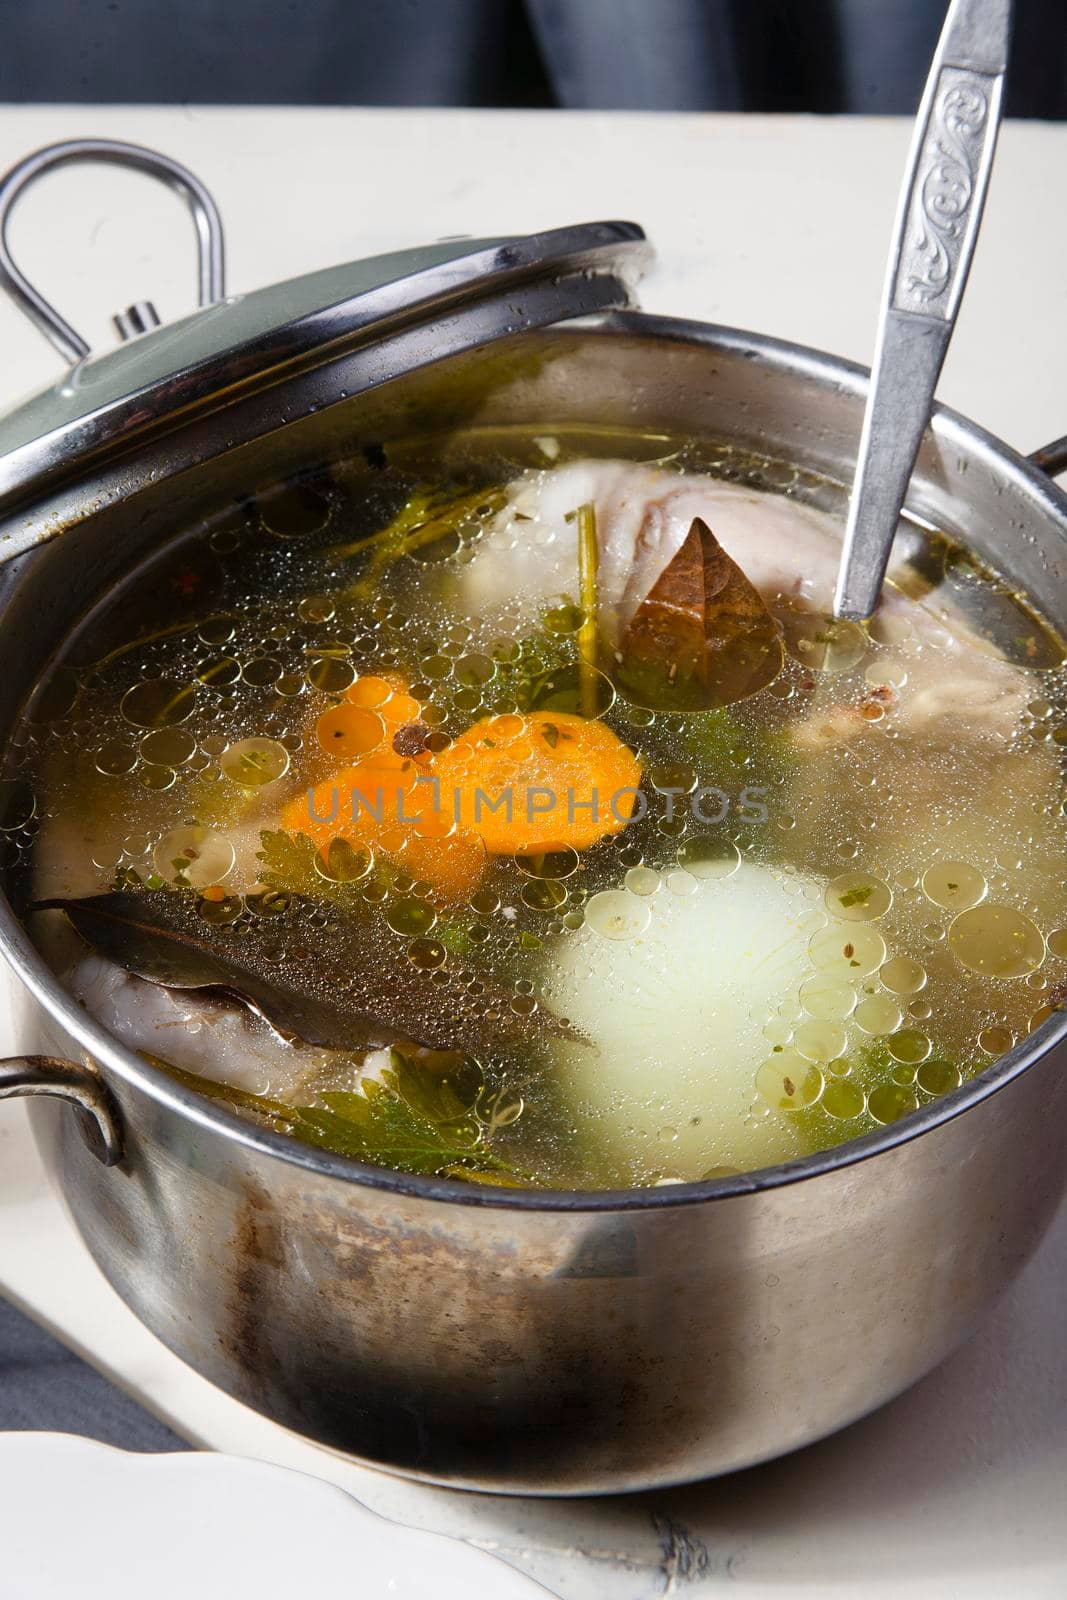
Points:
x=538 y=782
x=509 y=785
x=380 y=802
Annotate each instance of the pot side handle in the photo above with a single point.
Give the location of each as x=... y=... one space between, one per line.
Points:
x=80 y=1086
x=1051 y=458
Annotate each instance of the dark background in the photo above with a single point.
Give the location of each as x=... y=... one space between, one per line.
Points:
x=662 y=55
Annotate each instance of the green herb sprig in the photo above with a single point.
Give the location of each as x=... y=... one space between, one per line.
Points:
x=389 y=1121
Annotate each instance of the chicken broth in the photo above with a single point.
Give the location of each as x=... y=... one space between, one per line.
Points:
x=508 y=806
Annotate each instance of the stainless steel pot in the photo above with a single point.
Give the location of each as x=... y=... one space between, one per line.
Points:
x=508 y=1340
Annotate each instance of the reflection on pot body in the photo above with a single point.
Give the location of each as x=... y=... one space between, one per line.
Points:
x=539 y=1342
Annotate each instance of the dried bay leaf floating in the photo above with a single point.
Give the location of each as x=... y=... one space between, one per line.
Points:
x=702 y=637
x=351 y=993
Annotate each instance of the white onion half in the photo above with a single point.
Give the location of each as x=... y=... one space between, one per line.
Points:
x=676 y=1015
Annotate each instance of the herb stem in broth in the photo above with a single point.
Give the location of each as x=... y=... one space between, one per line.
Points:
x=421 y=522
x=588 y=633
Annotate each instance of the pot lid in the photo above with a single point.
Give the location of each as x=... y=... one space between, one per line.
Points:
x=443 y=297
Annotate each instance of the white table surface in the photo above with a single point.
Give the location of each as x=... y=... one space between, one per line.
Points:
x=959 y=1488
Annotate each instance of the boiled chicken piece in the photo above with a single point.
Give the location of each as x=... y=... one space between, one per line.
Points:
x=788 y=551
x=643 y=518
x=212 y=1037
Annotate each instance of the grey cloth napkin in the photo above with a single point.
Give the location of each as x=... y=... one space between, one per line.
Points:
x=45 y=1387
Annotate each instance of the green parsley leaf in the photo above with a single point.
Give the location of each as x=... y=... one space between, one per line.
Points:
x=375 y=1123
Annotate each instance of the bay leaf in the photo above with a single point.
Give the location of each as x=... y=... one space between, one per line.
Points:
x=702 y=637
x=330 y=984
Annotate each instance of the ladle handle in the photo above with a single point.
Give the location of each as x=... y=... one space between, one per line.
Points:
x=79 y=1086
x=936 y=229
x=211 y=268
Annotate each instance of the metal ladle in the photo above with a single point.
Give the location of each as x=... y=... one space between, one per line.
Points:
x=938 y=217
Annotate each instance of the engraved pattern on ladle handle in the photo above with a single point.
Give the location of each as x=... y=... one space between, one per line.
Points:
x=946 y=194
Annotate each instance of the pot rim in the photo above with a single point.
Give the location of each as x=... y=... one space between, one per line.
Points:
x=103 y=1049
